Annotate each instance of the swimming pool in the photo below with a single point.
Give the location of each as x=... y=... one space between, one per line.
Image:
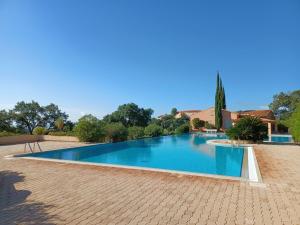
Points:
x=277 y=138
x=186 y=153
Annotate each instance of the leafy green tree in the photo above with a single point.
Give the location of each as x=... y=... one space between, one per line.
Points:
x=28 y=115
x=51 y=114
x=59 y=123
x=39 y=131
x=135 y=132
x=284 y=104
x=197 y=123
x=89 y=129
x=182 y=129
x=170 y=123
x=153 y=130
x=115 y=132
x=130 y=115
x=294 y=124
x=174 y=111
x=248 y=128
x=6 y=121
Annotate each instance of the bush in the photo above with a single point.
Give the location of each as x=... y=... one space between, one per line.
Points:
x=153 y=130
x=182 y=129
x=294 y=124
x=39 y=131
x=89 y=129
x=197 y=123
x=282 y=126
x=6 y=134
x=208 y=125
x=135 y=132
x=59 y=123
x=249 y=129
x=115 y=132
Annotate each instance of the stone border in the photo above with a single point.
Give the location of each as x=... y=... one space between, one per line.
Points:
x=245 y=175
x=175 y=172
x=250 y=168
x=215 y=142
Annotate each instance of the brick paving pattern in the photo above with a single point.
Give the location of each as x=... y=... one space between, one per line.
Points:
x=39 y=192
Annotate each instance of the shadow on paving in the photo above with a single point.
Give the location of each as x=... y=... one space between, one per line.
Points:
x=14 y=209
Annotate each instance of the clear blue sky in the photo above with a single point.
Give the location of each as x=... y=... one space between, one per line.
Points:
x=91 y=56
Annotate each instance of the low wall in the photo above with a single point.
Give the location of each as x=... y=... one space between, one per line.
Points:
x=21 y=139
x=58 y=138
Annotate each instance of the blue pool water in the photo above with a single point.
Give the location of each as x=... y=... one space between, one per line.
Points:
x=281 y=139
x=188 y=153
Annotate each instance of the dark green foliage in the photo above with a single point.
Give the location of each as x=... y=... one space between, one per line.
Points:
x=174 y=112
x=115 y=132
x=197 y=123
x=182 y=129
x=169 y=123
x=153 y=130
x=51 y=114
x=6 y=121
x=284 y=104
x=294 y=124
x=130 y=115
x=208 y=125
x=135 y=132
x=248 y=128
x=282 y=126
x=30 y=115
x=89 y=129
x=220 y=103
x=39 y=131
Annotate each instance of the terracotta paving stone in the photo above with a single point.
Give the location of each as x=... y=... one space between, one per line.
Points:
x=40 y=192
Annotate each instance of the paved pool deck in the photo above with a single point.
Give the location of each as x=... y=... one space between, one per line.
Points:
x=40 y=192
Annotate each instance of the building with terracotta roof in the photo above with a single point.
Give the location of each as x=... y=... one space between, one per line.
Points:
x=229 y=118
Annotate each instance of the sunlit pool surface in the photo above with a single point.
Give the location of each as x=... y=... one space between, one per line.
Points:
x=186 y=153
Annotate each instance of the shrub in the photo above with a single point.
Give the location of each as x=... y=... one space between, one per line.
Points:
x=89 y=129
x=59 y=123
x=39 y=131
x=153 y=130
x=115 y=132
x=282 y=126
x=208 y=125
x=294 y=124
x=135 y=132
x=248 y=128
x=6 y=133
x=182 y=129
x=197 y=123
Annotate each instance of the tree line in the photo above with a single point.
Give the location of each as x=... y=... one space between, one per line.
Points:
x=129 y=121
x=25 y=117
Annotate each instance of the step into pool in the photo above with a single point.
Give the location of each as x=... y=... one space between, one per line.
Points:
x=185 y=153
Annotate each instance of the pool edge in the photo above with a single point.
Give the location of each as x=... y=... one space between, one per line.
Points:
x=242 y=178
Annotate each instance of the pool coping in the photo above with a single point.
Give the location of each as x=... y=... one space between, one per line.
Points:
x=246 y=176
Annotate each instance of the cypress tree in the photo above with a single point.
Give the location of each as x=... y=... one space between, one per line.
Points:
x=224 y=98
x=218 y=104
